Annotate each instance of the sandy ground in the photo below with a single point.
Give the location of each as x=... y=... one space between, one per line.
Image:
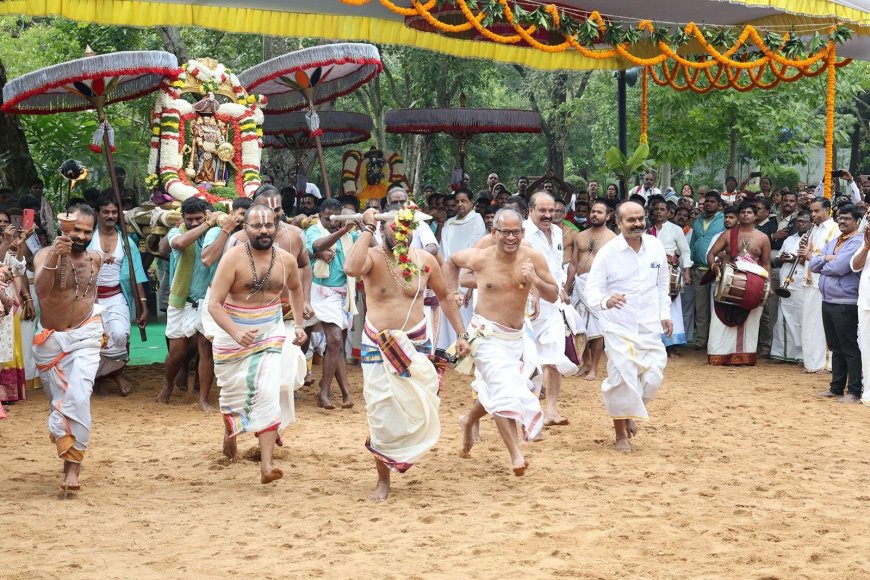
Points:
x=741 y=473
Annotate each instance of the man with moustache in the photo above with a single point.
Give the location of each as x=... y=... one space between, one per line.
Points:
x=504 y=356
x=647 y=188
x=67 y=350
x=249 y=287
x=549 y=326
x=628 y=287
x=586 y=247
x=115 y=294
x=400 y=382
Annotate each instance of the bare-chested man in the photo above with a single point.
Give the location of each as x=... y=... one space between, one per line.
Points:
x=504 y=355
x=245 y=303
x=67 y=351
x=401 y=392
x=586 y=247
x=734 y=329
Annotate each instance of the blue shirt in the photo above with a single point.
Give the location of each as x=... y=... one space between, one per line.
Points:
x=337 y=277
x=701 y=237
x=202 y=275
x=838 y=283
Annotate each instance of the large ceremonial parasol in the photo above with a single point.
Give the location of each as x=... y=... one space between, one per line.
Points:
x=462 y=124
x=87 y=83
x=311 y=76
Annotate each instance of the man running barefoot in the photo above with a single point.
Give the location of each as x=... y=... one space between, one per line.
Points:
x=400 y=382
x=504 y=355
x=246 y=306
x=586 y=247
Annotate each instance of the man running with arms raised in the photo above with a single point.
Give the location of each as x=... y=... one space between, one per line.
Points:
x=504 y=355
x=401 y=384
x=245 y=303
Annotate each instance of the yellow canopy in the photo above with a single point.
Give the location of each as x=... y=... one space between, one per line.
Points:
x=332 y=19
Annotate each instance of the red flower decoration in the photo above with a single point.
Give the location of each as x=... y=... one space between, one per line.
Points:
x=403 y=259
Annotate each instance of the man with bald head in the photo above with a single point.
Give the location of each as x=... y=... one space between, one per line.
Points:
x=543 y=233
x=628 y=286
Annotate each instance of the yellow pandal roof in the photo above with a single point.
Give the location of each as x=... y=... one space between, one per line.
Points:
x=332 y=19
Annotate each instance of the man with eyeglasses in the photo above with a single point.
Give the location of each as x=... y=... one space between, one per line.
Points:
x=543 y=234
x=504 y=356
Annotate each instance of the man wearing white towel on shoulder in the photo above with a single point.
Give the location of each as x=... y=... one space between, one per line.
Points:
x=628 y=285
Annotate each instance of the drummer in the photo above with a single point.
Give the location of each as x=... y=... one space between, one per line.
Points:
x=679 y=264
x=734 y=329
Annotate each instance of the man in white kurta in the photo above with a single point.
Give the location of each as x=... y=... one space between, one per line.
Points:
x=549 y=327
x=813 y=345
x=628 y=285
x=786 y=344
x=673 y=239
x=459 y=233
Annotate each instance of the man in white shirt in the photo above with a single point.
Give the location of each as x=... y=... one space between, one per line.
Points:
x=676 y=248
x=628 y=285
x=549 y=327
x=813 y=345
x=858 y=264
x=786 y=345
x=646 y=189
x=460 y=233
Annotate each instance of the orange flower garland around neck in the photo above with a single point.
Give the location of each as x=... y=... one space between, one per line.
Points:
x=404 y=226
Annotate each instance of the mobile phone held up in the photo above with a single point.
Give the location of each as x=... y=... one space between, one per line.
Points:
x=837 y=173
x=755 y=174
x=27 y=218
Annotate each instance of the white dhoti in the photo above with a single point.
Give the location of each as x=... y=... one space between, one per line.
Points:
x=505 y=364
x=28 y=332
x=329 y=304
x=294 y=365
x=67 y=363
x=678 y=336
x=786 y=344
x=401 y=393
x=578 y=300
x=446 y=334
x=549 y=330
x=734 y=345
x=255 y=396
x=635 y=368
x=864 y=344
x=184 y=322
x=813 y=345
x=116 y=327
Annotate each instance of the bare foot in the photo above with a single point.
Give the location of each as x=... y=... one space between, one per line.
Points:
x=622 y=445
x=124 y=385
x=381 y=491
x=101 y=389
x=468 y=439
x=476 y=432
x=309 y=380
x=165 y=394
x=673 y=354
x=585 y=369
x=71 y=476
x=591 y=375
x=324 y=403
x=346 y=402
x=203 y=406
x=554 y=420
x=631 y=428
x=271 y=474
x=520 y=467
x=231 y=450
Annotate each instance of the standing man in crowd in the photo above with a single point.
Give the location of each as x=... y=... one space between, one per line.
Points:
x=628 y=286
x=115 y=293
x=859 y=264
x=190 y=279
x=707 y=226
x=647 y=188
x=67 y=351
x=504 y=356
x=838 y=284
x=812 y=340
x=586 y=247
x=786 y=344
x=549 y=326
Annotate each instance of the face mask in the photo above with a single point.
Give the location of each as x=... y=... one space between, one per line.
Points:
x=580 y=220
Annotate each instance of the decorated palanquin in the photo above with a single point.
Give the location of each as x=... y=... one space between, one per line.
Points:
x=206 y=134
x=369 y=175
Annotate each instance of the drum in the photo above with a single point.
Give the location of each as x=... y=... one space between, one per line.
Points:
x=675 y=276
x=731 y=286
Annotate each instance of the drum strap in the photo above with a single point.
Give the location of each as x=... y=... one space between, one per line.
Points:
x=735 y=231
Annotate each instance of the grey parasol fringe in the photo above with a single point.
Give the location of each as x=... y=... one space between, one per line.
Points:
x=462 y=122
x=344 y=68
x=290 y=130
x=64 y=87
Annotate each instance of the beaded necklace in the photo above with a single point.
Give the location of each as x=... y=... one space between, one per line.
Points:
x=258 y=285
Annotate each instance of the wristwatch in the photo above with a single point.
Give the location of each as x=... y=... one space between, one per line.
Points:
x=463 y=336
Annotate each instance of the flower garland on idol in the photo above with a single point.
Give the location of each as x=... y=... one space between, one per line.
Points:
x=406 y=221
